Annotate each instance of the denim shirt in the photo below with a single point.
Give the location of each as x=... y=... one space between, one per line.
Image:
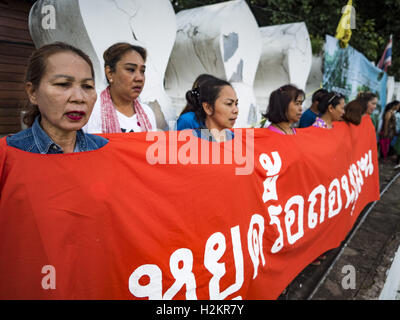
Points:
x=205 y=134
x=36 y=140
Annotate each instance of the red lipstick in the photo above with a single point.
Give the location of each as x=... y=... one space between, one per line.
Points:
x=75 y=115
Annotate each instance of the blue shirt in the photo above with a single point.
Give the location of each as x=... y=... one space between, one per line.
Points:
x=187 y=120
x=307 y=118
x=36 y=140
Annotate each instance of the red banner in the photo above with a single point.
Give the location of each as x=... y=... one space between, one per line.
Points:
x=166 y=215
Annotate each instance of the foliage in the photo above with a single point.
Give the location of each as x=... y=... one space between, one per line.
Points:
x=375 y=21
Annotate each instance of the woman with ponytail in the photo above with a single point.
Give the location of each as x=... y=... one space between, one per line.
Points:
x=188 y=118
x=215 y=105
x=331 y=108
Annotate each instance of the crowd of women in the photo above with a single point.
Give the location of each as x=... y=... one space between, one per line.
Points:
x=64 y=112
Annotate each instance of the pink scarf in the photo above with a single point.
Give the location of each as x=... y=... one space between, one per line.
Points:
x=109 y=118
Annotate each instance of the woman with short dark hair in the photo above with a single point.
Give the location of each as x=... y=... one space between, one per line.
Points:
x=308 y=117
x=284 y=109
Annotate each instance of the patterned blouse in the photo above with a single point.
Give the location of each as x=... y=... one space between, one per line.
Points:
x=319 y=123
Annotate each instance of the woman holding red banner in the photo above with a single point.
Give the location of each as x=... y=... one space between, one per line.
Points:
x=61 y=91
x=119 y=108
x=353 y=112
x=188 y=118
x=216 y=106
x=331 y=108
x=370 y=100
x=284 y=109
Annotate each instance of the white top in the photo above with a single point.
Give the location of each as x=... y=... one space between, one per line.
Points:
x=128 y=124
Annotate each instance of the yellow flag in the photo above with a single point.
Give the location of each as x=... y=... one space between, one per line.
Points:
x=343 y=31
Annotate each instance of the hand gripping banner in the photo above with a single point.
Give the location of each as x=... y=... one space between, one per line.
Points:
x=166 y=215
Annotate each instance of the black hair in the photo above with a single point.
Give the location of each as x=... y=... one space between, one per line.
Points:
x=330 y=98
x=279 y=101
x=317 y=95
x=390 y=106
x=196 y=84
x=208 y=92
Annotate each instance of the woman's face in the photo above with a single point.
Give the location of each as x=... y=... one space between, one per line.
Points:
x=294 y=111
x=127 y=81
x=371 y=105
x=337 y=112
x=66 y=93
x=225 y=110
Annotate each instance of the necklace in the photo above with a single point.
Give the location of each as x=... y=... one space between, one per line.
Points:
x=280 y=128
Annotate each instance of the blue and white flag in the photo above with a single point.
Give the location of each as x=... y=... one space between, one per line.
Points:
x=386 y=59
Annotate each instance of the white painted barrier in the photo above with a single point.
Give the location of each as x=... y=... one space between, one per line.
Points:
x=286 y=58
x=223 y=40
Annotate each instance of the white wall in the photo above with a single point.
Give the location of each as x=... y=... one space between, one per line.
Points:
x=222 y=40
x=286 y=58
x=390 y=89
